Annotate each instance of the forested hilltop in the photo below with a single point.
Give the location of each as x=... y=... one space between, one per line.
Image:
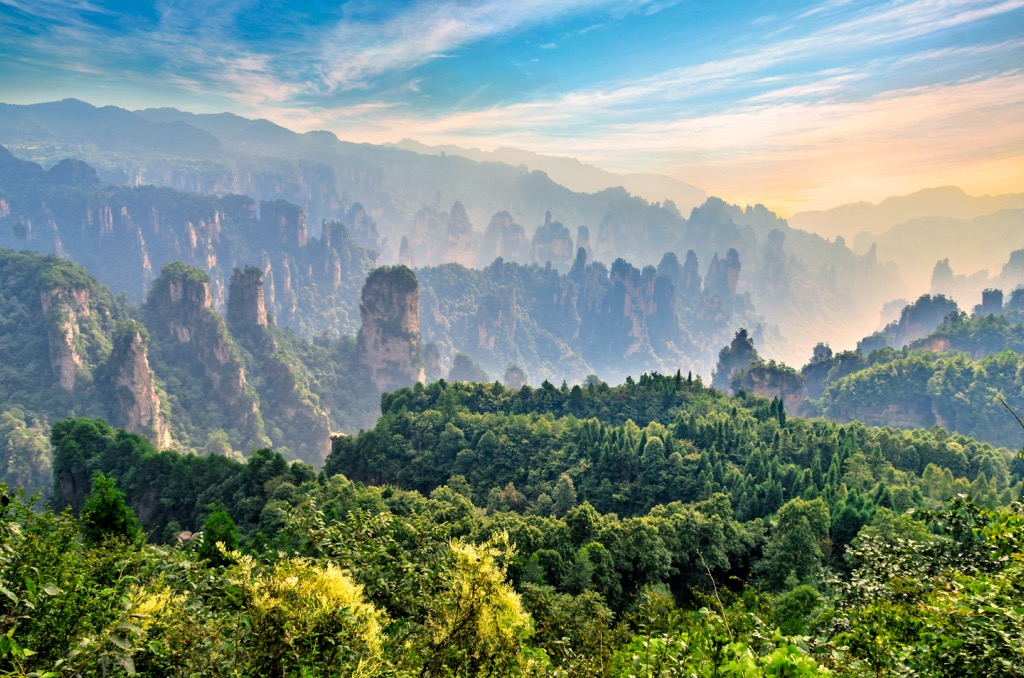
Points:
x=934 y=366
x=658 y=528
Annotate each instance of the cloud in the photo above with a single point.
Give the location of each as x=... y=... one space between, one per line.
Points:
x=355 y=51
x=786 y=152
x=862 y=83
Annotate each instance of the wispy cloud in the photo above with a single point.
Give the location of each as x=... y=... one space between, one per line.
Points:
x=861 y=81
x=357 y=51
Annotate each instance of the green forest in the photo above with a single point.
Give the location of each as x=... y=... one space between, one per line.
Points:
x=657 y=528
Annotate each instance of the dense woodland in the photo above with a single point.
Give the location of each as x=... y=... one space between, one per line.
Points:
x=478 y=530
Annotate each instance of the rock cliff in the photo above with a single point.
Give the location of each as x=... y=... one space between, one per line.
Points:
x=771 y=380
x=389 y=334
x=64 y=308
x=136 y=404
x=552 y=244
x=246 y=302
x=192 y=345
x=503 y=238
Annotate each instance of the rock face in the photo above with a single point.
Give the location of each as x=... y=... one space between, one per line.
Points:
x=496 y=317
x=284 y=221
x=194 y=340
x=723 y=275
x=364 y=228
x=552 y=244
x=432 y=362
x=246 y=304
x=503 y=238
x=389 y=335
x=292 y=415
x=771 y=381
x=136 y=403
x=64 y=309
x=685 y=278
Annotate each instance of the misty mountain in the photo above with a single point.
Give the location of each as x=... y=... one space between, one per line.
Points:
x=967 y=287
x=576 y=175
x=970 y=245
x=947 y=201
x=422 y=210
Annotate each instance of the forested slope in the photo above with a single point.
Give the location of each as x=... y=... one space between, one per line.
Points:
x=836 y=581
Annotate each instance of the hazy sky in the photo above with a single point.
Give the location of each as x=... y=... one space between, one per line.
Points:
x=793 y=104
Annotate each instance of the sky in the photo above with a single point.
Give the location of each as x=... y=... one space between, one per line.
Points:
x=795 y=105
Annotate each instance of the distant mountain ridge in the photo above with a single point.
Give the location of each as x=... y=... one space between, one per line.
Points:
x=970 y=245
x=945 y=201
x=575 y=175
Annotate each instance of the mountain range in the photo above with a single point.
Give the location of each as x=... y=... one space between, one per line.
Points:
x=422 y=210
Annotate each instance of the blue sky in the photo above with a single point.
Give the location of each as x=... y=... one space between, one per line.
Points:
x=793 y=104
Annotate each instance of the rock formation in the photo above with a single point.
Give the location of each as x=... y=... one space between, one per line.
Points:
x=723 y=275
x=389 y=334
x=771 y=380
x=459 y=241
x=406 y=257
x=496 y=319
x=64 y=308
x=284 y=221
x=194 y=339
x=432 y=362
x=583 y=241
x=552 y=244
x=503 y=238
x=991 y=302
x=364 y=228
x=136 y=403
x=515 y=377
x=246 y=305
x=737 y=356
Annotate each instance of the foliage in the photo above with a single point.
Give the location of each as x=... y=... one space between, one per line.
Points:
x=220 y=537
x=105 y=514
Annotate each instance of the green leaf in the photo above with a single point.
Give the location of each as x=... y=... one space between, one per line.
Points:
x=126 y=663
x=4 y=590
x=120 y=642
x=51 y=590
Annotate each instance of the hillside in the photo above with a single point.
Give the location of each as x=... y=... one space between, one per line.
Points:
x=311 y=574
x=935 y=366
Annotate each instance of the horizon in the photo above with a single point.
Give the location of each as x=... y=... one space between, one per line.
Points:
x=811 y=106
